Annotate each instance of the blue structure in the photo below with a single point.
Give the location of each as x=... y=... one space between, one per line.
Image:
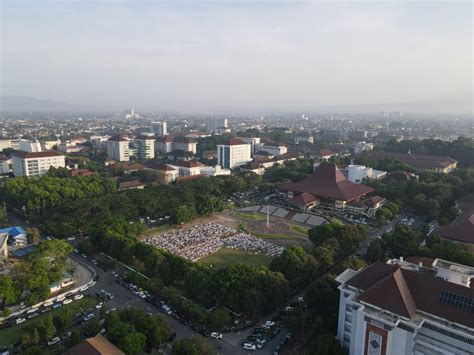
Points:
x=17 y=234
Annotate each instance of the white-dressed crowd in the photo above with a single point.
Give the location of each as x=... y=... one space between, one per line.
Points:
x=194 y=242
x=203 y=239
x=249 y=243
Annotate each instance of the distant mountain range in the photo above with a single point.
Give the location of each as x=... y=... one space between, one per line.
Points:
x=27 y=104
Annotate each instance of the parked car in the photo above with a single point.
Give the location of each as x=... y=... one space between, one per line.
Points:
x=20 y=320
x=89 y=317
x=54 y=341
x=249 y=346
x=99 y=305
x=216 y=335
x=67 y=301
x=78 y=296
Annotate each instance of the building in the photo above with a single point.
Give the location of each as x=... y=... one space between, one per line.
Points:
x=322 y=154
x=187 y=167
x=233 y=154
x=5 y=165
x=329 y=186
x=5 y=143
x=145 y=146
x=130 y=185
x=49 y=145
x=118 y=148
x=3 y=247
x=160 y=129
x=360 y=147
x=214 y=171
x=275 y=149
x=419 y=162
x=253 y=141
x=168 y=173
x=30 y=146
x=222 y=130
x=98 y=345
x=461 y=230
x=130 y=114
x=421 y=306
x=99 y=142
x=164 y=144
x=214 y=123
x=357 y=173
x=357 y=135
x=37 y=163
x=186 y=144
x=304 y=138
x=16 y=235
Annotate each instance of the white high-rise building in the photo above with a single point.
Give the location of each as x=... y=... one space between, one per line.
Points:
x=30 y=146
x=235 y=153
x=159 y=128
x=145 y=146
x=118 y=148
x=421 y=307
x=253 y=141
x=214 y=123
x=36 y=163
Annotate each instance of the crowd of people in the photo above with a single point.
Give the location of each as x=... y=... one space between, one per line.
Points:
x=194 y=242
x=246 y=242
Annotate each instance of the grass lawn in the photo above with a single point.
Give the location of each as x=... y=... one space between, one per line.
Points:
x=253 y=216
x=295 y=228
x=227 y=256
x=14 y=333
x=156 y=230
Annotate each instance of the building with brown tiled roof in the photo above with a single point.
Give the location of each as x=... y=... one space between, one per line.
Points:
x=36 y=163
x=234 y=153
x=419 y=162
x=98 y=345
x=329 y=185
x=402 y=307
x=461 y=230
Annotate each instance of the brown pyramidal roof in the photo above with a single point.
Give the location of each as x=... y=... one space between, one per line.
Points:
x=328 y=182
x=118 y=138
x=235 y=141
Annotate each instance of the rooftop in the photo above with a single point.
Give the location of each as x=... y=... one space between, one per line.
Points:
x=461 y=230
x=30 y=155
x=98 y=345
x=414 y=159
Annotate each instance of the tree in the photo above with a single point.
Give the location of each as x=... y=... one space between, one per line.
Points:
x=220 y=318
x=185 y=214
x=195 y=345
x=75 y=337
x=92 y=328
x=133 y=343
x=33 y=235
x=46 y=328
x=322 y=297
x=33 y=350
x=375 y=251
x=62 y=321
x=8 y=290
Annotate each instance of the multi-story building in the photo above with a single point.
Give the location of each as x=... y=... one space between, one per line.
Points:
x=421 y=306
x=185 y=143
x=214 y=123
x=253 y=141
x=30 y=146
x=5 y=143
x=99 y=142
x=145 y=146
x=235 y=153
x=118 y=148
x=357 y=173
x=164 y=144
x=187 y=167
x=5 y=164
x=36 y=163
x=357 y=135
x=275 y=149
x=304 y=138
x=159 y=128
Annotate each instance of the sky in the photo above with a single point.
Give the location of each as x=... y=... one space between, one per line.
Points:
x=238 y=55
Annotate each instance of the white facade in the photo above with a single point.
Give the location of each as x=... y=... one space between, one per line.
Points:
x=145 y=148
x=5 y=143
x=232 y=155
x=5 y=165
x=275 y=150
x=357 y=173
x=36 y=163
x=189 y=146
x=253 y=141
x=364 y=328
x=99 y=142
x=118 y=150
x=30 y=146
x=214 y=171
x=304 y=139
x=159 y=128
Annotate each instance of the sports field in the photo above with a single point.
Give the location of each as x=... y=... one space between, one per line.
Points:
x=226 y=256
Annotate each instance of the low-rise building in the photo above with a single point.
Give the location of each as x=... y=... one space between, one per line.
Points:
x=186 y=144
x=36 y=163
x=275 y=149
x=304 y=138
x=322 y=154
x=187 y=167
x=16 y=235
x=421 y=306
x=357 y=173
x=419 y=162
x=98 y=345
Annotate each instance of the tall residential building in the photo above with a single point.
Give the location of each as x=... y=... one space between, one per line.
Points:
x=214 y=123
x=159 y=128
x=253 y=141
x=36 y=163
x=30 y=146
x=118 y=148
x=235 y=153
x=421 y=306
x=145 y=146
x=185 y=143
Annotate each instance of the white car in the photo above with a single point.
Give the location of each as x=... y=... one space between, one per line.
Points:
x=216 y=335
x=248 y=346
x=54 y=341
x=99 y=306
x=48 y=304
x=269 y=323
x=67 y=301
x=89 y=317
x=79 y=296
x=20 y=320
x=71 y=239
x=142 y=294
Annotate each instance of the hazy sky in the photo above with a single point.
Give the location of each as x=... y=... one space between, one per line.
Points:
x=219 y=55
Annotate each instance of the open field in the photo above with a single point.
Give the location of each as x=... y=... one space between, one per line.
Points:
x=253 y=216
x=14 y=333
x=156 y=230
x=227 y=256
x=295 y=228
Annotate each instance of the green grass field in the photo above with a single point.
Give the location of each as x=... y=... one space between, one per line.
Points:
x=252 y=216
x=227 y=256
x=14 y=333
x=156 y=230
x=295 y=228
